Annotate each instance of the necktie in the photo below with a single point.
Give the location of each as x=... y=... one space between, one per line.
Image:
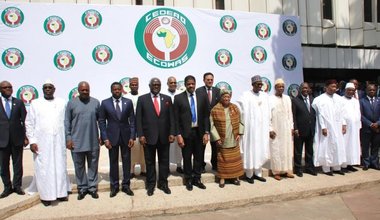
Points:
x=192 y=106
x=307 y=104
x=156 y=106
x=118 y=110
x=7 y=108
x=209 y=95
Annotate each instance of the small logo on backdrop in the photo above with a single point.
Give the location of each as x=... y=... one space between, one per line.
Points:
x=267 y=85
x=125 y=83
x=228 y=23
x=223 y=86
x=102 y=54
x=165 y=38
x=259 y=54
x=181 y=86
x=64 y=60
x=27 y=94
x=12 y=17
x=54 y=25
x=73 y=93
x=293 y=90
x=263 y=31
x=289 y=62
x=12 y=58
x=289 y=27
x=91 y=19
x=223 y=57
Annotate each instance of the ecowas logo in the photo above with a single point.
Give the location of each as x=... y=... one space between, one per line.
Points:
x=91 y=19
x=263 y=31
x=267 y=85
x=289 y=62
x=223 y=86
x=27 y=94
x=64 y=60
x=223 y=57
x=12 y=58
x=293 y=90
x=228 y=24
x=289 y=27
x=12 y=17
x=259 y=54
x=165 y=38
x=54 y=25
x=102 y=54
x=125 y=83
x=73 y=93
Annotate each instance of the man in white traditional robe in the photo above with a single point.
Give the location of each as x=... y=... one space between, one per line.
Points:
x=329 y=150
x=281 y=132
x=255 y=110
x=45 y=131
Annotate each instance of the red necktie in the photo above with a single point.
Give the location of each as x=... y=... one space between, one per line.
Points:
x=209 y=95
x=156 y=106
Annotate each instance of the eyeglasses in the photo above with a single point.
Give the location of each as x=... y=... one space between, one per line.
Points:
x=48 y=87
x=6 y=87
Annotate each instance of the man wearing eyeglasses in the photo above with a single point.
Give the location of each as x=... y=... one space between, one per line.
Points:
x=12 y=139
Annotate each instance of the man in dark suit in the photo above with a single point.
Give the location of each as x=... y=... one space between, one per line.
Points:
x=12 y=139
x=155 y=129
x=117 y=129
x=192 y=129
x=212 y=95
x=359 y=94
x=370 y=132
x=304 y=129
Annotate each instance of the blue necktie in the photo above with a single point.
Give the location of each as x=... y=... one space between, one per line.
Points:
x=7 y=108
x=192 y=106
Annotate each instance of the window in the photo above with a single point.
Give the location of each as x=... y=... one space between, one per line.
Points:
x=378 y=11
x=160 y=2
x=219 y=4
x=368 y=10
x=139 y=2
x=327 y=9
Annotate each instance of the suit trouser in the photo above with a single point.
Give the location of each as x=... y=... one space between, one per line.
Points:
x=309 y=151
x=370 y=148
x=5 y=153
x=150 y=162
x=89 y=181
x=193 y=147
x=113 y=154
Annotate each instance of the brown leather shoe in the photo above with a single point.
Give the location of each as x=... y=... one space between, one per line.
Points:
x=277 y=177
x=289 y=175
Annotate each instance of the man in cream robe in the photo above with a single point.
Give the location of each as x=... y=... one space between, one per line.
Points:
x=329 y=148
x=46 y=134
x=352 y=117
x=281 y=132
x=254 y=107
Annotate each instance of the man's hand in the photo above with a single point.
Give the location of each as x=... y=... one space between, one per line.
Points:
x=181 y=142
x=142 y=141
x=108 y=144
x=219 y=142
x=26 y=142
x=324 y=132
x=131 y=142
x=70 y=145
x=34 y=148
x=296 y=133
x=171 y=138
x=205 y=138
x=344 y=129
x=272 y=134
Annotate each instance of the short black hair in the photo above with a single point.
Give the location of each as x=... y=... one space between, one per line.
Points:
x=207 y=74
x=116 y=83
x=189 y=77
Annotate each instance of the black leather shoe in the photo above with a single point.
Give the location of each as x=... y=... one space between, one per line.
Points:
x=375 y=167
x=63 y=199
x=259 y=178
x=221 y=185
x=189 y=186
x=128 y=191
x=114 y=192
x=46 y=203
x=340 y=172
x=299 y=174
x=311 y=172
x=150 y=192
x=19 y=191
x=250 y=180
x=236 y=182
x=179 y=170
x=81 y=195
x=351 y=168
x=165 y=189
x=6 y=193
x=365 y=168
x=199 y=184
x=329 y=173
x=94 y=194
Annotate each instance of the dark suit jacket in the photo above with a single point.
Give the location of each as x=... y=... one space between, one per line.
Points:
x=151 y=126
x=12 y=131
x=182 y=114
x=202 y=92
x=369 y=115
x=111 y=127
x=304 y=121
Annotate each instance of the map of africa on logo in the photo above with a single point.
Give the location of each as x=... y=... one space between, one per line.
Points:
x=54 y=25
x=27 y=94
x=12 y=17
x=165 y=38
x=12 y=58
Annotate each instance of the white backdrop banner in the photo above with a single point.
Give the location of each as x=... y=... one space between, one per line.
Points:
x=69 y=43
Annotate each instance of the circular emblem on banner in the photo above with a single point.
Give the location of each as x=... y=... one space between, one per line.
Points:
x=54 y=25
x=102 y=54
x=262 y=31
x=223 y=86
x=181 y=86
x=12 y=17
x=267 y=85
x=289 y=62
x=73 y=93
x=27 y=94
x=125 y=83
x=293 y=90
x=289 y=27
x=64 y=60
x=91 y=19
x=259 y=54
x=223 y=57
x=12 y=58
x=228 y=23
x=165 y=38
